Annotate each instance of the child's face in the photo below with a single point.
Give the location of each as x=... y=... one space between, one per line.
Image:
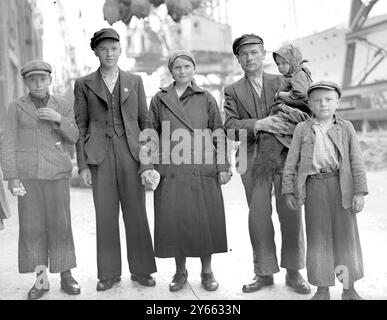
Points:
x=324 y=103
x=283 y=66
x=38 y=84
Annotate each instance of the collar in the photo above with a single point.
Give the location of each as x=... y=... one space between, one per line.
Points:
x=195 y=88
x=39 y=100
x=104 y=76
x=255 y=78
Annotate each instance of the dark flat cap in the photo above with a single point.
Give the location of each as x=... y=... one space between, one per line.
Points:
x=105 y=33
x=35 y=67
x=328 y=85
x=245 y=39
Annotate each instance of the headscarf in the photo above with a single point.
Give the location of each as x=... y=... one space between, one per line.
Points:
x=180 y=54
x=293 y=56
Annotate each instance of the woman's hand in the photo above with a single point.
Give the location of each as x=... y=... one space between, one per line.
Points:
x=224 y=177
x=357 y=203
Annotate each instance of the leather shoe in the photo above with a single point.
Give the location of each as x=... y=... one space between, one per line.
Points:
x=103 y=285
x=145 y=280
x=208 y=281
x=350 y=294
x=298 y=283
x=36 y=293
x=70 y=286
x=321 y=294
x=258 y=283
x=178 y=281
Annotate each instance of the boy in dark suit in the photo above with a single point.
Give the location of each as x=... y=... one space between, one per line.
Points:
x=37 y=166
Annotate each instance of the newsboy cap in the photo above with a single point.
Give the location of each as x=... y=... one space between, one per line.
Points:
x=35 y=67
x=105 y=33
x=328 y=85
x=245 y=39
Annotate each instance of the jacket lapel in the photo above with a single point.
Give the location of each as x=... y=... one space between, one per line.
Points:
x=170 y=99
x=126 y=86
x=244 y=95
x=268 y=90
x=335 y=132
x=95 y=82
x=28 y=106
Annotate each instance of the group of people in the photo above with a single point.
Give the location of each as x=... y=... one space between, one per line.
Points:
x=295 y=144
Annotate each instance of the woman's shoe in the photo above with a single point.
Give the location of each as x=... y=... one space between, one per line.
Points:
x=208 y=281
x=178 y=281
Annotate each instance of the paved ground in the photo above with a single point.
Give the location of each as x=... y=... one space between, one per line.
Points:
x=231 y=269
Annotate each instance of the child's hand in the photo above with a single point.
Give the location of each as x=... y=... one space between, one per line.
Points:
x=291 y=201
x=49 y=115
x=357 y=203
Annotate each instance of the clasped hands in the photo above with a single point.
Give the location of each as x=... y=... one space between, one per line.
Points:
x=49 y=115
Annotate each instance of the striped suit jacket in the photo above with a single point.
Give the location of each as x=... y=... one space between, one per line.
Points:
x=37 y=149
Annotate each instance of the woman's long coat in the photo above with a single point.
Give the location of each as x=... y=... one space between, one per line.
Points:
x=189 y=211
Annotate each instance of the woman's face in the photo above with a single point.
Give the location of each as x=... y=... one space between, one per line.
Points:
x=183 y=71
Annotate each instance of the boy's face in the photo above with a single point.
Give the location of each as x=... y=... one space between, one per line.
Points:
x=38 y=84
x=283 y=66
x=108 y=51
x=324 y=103
x=250 y=57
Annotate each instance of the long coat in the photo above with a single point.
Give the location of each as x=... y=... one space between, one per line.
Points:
x=36 y=149
x=91 y=113
x=189 y=210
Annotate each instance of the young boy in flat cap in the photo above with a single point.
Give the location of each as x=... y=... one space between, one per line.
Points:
x=110 y=110
x=248 y=105
x=324 y=169
x=37 y=166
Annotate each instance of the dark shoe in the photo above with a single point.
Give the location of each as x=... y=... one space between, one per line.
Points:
x=208 y=281
x=258 y=283
x=298 y=283
x=103 y=285
x=70 y=286
x=350 y=294
x=36 y=293
x=322 y=293
x=145 y=280
x=178 y=281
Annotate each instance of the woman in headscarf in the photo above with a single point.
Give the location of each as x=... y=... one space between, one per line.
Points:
x=189 y=210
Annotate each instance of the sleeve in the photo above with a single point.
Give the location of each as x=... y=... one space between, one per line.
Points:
x=299 y=86
x=292 y=160
x=8 y=154
x=82 y=121
x=357 y=162
x=142 y=104
x=68 y=128
x=233 y=119
x=219 y=134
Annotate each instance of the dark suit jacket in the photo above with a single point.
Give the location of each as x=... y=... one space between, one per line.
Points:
x=91 y=114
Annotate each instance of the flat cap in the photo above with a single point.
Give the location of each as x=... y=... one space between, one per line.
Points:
x=35 y=67
x=105 y=33
x=328 y=85
x=245 y=39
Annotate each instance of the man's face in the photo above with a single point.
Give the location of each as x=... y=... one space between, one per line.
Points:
x=324 y=103
x=250 y=57
x=38 y=84
x=108 y=51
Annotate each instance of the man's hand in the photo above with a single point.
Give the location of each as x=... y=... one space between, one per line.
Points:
x=291 y=201
x=224 y=177
x=146 y=177
x=271 y=124
x=357 y=203
x=85 y=175
x=13 y=183
x=49 y=115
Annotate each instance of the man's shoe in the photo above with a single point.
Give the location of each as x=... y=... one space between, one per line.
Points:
x=70 y=286
x=350 y=294
x=298 y=283
x=208 y=281
x=36 y=293
x=145 y=280
x=103 y=285
x=258 y=283
x=178 y=281
x=322 y=293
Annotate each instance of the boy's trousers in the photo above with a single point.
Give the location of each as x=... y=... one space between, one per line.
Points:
x=331 y=232
x=45 y=234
